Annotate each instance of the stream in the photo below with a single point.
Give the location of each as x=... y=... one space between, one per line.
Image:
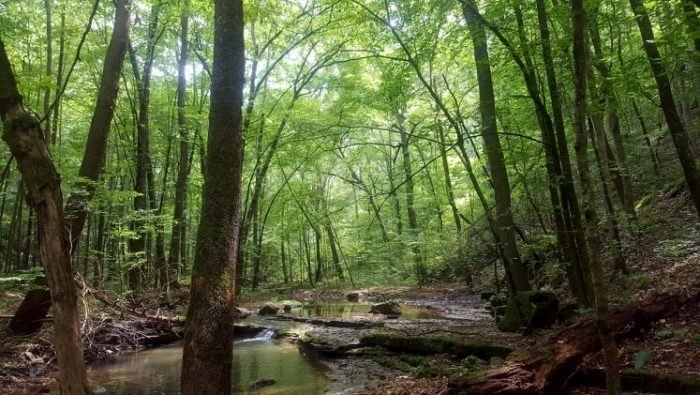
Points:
x=157 y=371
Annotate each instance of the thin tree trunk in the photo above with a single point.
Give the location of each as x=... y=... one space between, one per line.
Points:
x=419 y=268
x=448 y=180
x=59 y=80
x=332 y=243
x=372 y=203
x=578 y=18
x=137 y=245
x=49 y=69
x=175 y=257
x=611 y=105
x=647 y=140
x=283 y=260
x=597 y=138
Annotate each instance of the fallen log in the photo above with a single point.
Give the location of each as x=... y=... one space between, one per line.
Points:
x=550 y=370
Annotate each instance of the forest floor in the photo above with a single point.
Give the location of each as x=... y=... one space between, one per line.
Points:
x=664 y=258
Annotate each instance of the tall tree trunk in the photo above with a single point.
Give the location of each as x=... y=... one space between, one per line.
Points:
x=673 y=120
x=448 y=180
x=283 y=261
x=647 y=140
x=578 y=19
x=372 y=203
x=395 y=198
x=499 y=175
x=137 y=245
x=419 y=265
x=570 y=232
x=49 y=69
x=175 y=257
x=208 y=346
x=96 y=147
x=59 y=80
x=618 y=163
x=26 y=140
x=599 y=148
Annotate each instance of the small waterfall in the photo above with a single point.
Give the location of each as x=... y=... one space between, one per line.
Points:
x=264 y=335
x=267 y=334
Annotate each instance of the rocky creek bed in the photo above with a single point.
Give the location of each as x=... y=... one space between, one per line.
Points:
x=443 y=336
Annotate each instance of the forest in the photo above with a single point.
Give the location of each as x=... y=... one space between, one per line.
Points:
x=350 y=197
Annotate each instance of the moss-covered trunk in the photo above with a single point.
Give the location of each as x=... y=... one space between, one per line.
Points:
x=208 y=350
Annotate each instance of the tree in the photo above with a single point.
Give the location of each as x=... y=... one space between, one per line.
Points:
x=612 y=367
x=208 y=347
x=27 y=141
x=679 y=135
x=504 y=216
x=176 y=257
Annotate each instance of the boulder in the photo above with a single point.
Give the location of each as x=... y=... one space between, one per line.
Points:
x=530 y=310
x=270 y=309
x=288 y=305
x=386 y=308
x=353 y=297
x=240 y=312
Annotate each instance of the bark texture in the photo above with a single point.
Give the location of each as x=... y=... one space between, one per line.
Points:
x=208 y=348
x=96 y=148
x=578 y=23
x=176 y=261
x=26 y=140
x=487 y=104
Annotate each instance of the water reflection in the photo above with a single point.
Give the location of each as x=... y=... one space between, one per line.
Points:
x=158 y=371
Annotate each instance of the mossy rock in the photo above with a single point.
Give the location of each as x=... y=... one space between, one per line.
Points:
x=327 y=344
x=288 y=305
x=386 y=308
x=530 y=310
x=355 y=296
x=435 y=345
x=270 y=309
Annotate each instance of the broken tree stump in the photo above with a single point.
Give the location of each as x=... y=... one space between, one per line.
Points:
x=31 y=312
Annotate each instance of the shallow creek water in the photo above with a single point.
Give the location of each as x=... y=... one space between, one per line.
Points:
x=157 y=371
